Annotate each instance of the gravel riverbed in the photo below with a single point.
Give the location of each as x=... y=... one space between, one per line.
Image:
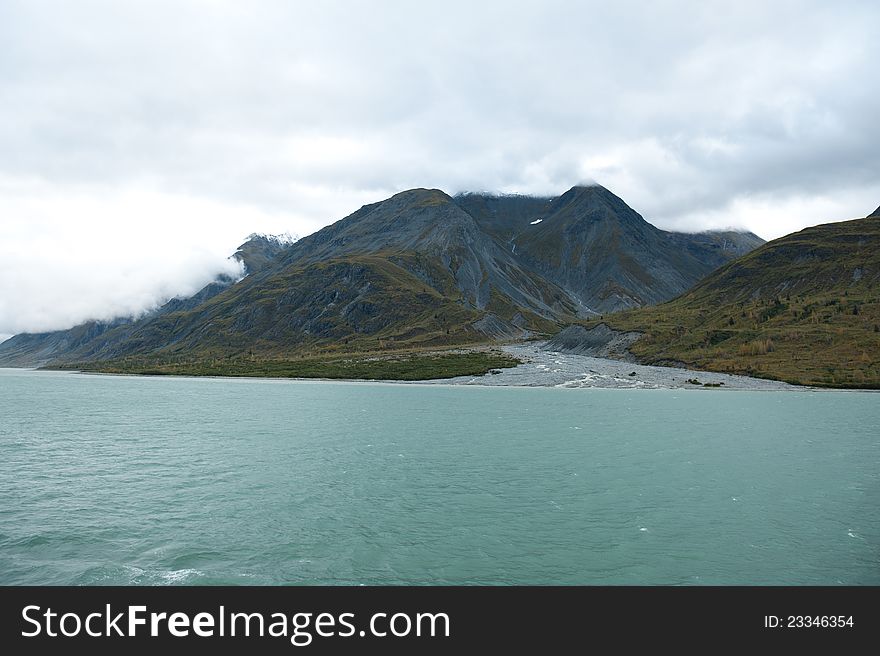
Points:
x=543 y=368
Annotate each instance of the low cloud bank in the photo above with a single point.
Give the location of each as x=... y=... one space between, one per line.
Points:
x=106 y=254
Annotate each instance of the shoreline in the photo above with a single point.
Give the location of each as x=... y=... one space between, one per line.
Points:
x=466 y=381
x=547 y=369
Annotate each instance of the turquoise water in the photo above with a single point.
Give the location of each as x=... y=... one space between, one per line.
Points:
x=126 y=480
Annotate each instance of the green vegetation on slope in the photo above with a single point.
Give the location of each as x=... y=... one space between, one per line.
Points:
x=406 y=366
x=804 y=309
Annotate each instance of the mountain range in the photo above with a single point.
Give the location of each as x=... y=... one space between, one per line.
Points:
x=419 y=269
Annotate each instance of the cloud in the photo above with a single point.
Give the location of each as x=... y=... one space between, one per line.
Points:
x=122 y=254
x=148 y=138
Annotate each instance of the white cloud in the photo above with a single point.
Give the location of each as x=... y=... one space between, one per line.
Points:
x=772 y=217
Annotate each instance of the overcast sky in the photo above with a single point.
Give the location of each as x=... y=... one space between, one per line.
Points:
x=141 y=142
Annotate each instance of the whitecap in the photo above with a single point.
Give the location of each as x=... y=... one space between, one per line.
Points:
x=178 y=575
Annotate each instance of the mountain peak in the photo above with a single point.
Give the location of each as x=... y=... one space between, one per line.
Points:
x=875 y=213
x=421 y=197
x=586 y=202
x=592 y=192
x=589 y=186
x=260 y=250
x=284 y=238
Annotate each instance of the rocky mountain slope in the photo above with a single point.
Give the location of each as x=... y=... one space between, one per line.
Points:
x=609 y=258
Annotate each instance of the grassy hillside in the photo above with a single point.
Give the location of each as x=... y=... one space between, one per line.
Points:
x=804 y=309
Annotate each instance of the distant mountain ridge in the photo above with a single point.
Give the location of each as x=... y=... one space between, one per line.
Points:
x=419 y=269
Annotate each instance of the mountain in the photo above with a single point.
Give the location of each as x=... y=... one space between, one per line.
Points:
x=715 y=248
x=38 y=349
x=804 y=308
x=419 y=269
x=412 y=271
x=260 y=251
x=88 y=339
x=426 y=224
x=609 y=258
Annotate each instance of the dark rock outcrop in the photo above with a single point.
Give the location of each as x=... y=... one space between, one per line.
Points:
x=599 y=342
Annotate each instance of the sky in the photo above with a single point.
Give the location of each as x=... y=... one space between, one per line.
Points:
x=142 y=141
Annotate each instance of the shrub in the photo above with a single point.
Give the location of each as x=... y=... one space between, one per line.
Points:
x=757 y=347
